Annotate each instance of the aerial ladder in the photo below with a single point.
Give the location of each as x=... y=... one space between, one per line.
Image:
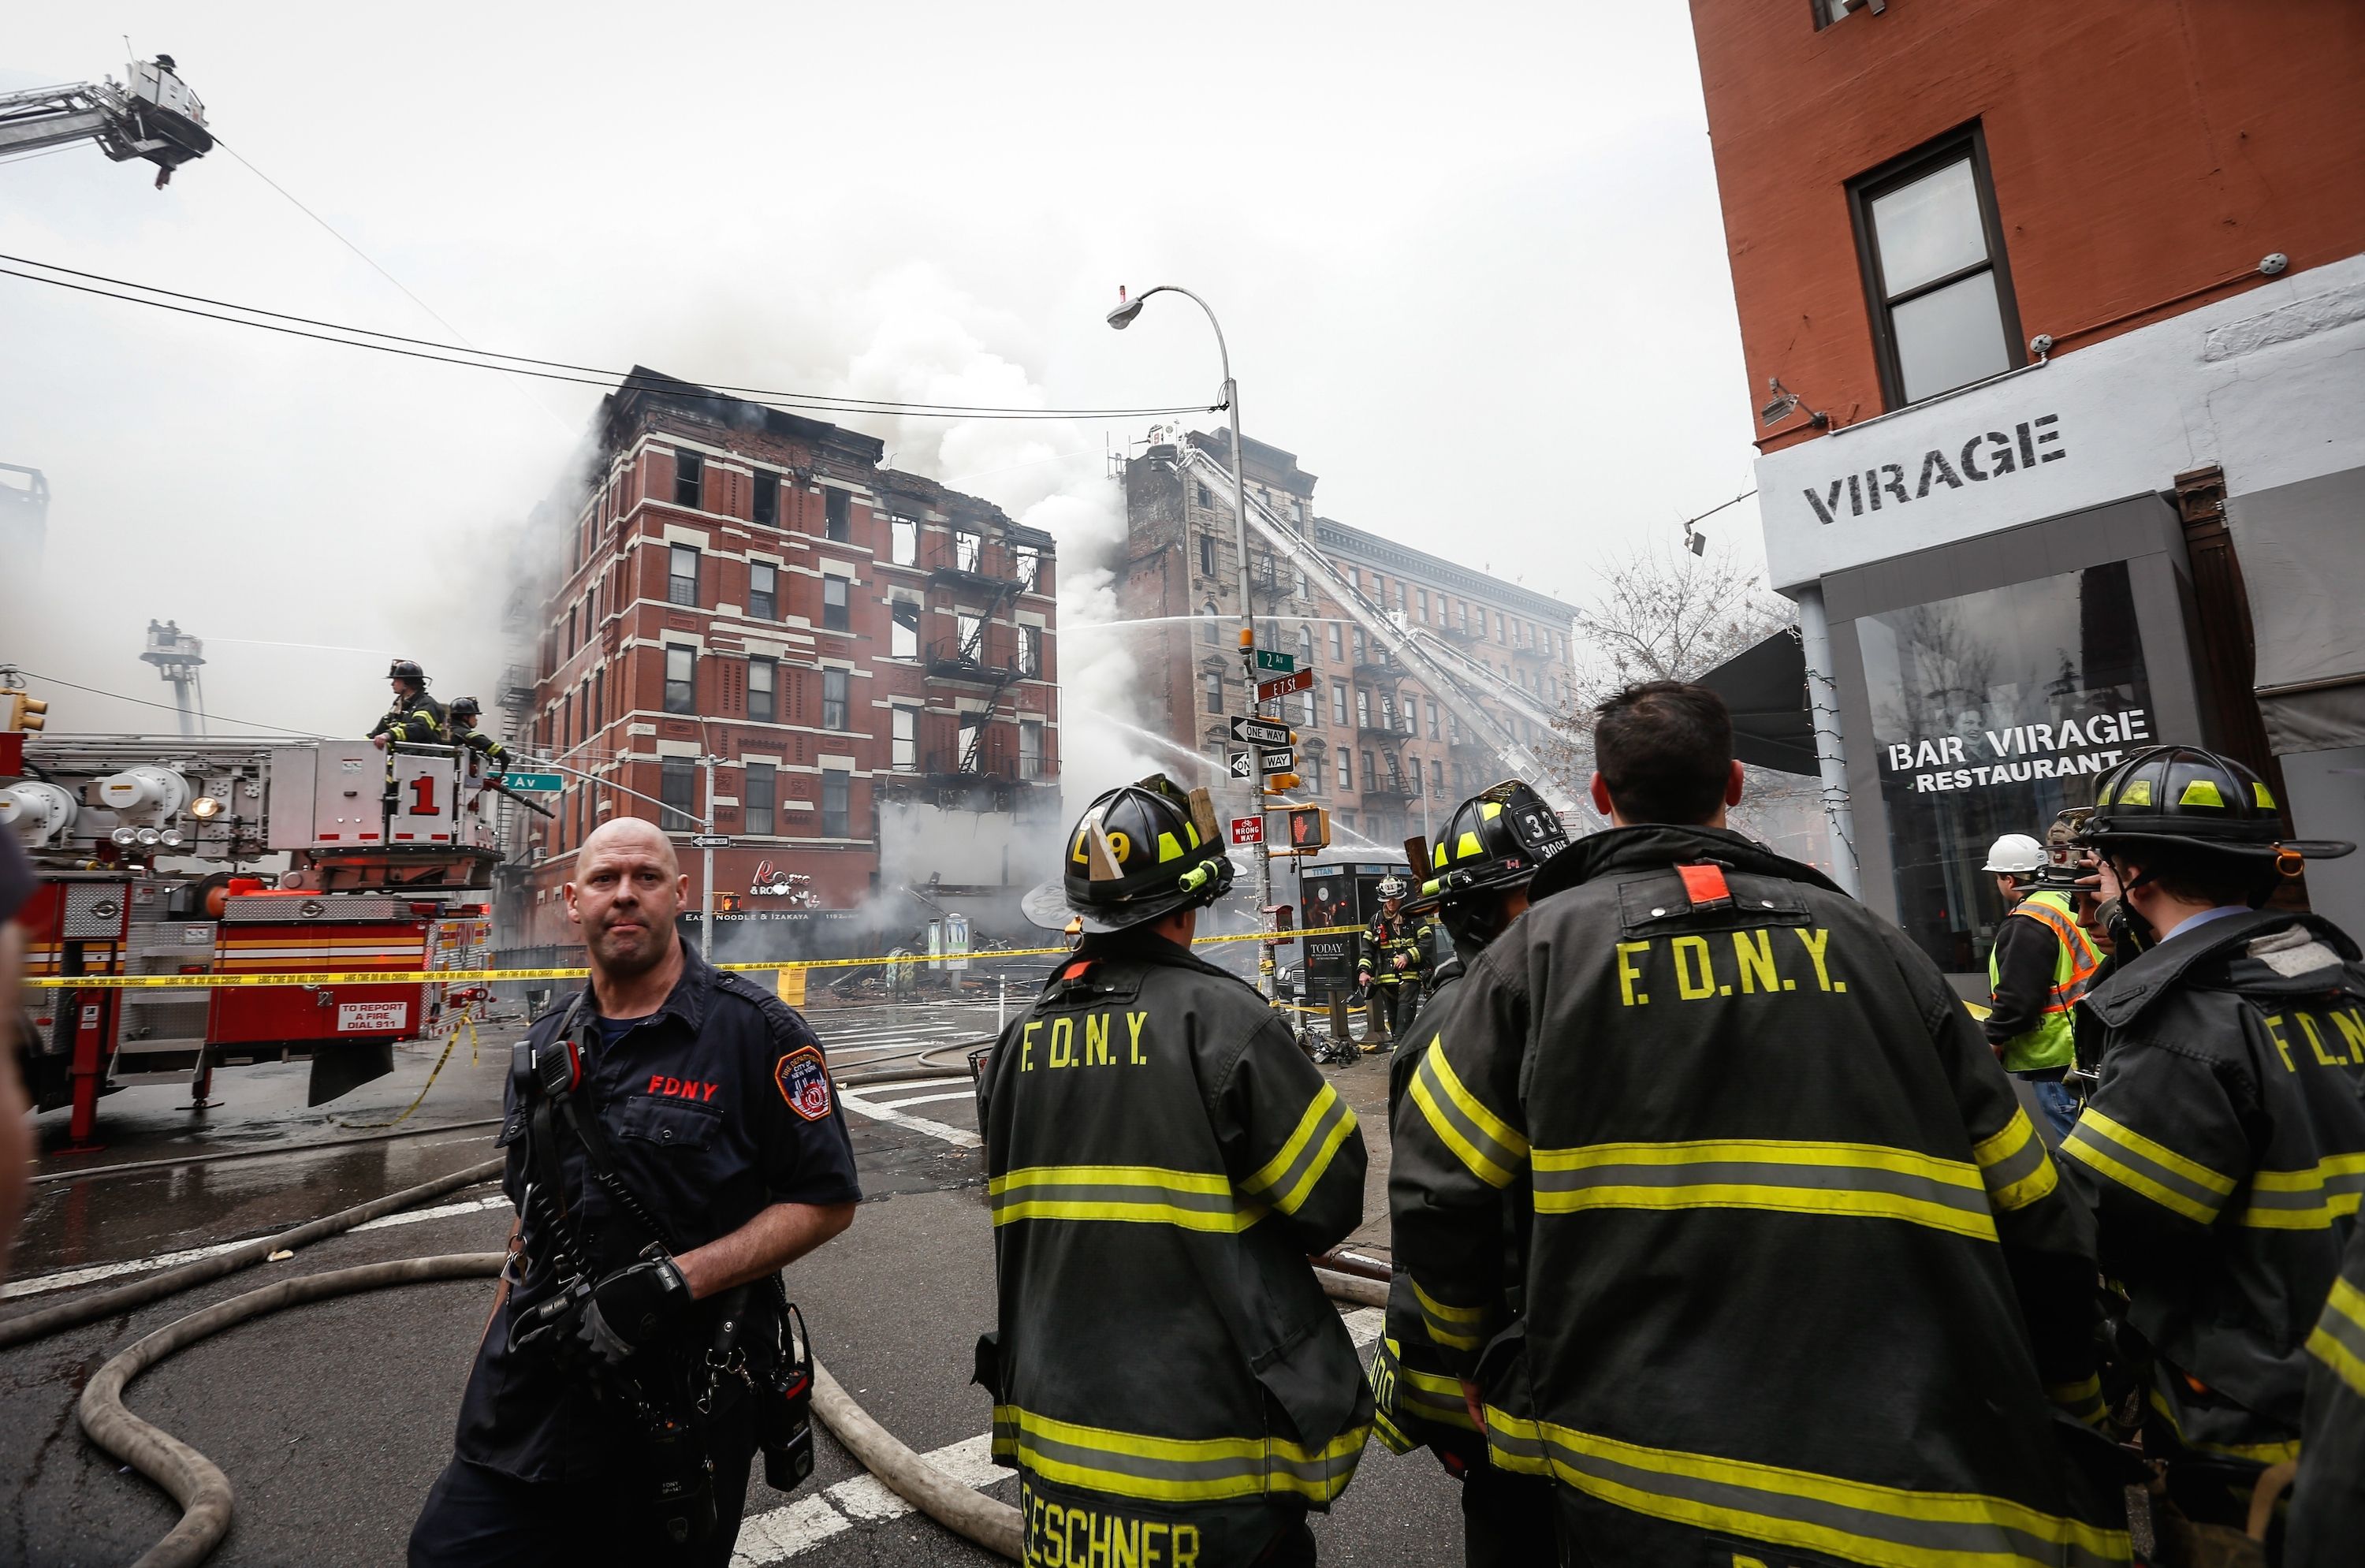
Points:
x=1457 y=679
x=150 y=114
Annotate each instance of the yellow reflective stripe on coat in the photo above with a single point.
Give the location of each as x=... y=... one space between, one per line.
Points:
x=2306 y=1200
x=2252 y=1453
x=1490 y=1147
x=1173 y=1469
x=2015 y=1165
x=1854 y=1520
x=1855 y=1179
x=2082 y=1399
x=2148 y=1168
x=1139 y=1194
x=2338 y=1340
x=1461 y=1327
x=1285 y=1179
x=1400 y=1390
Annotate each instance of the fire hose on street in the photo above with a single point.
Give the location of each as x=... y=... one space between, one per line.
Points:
x=204 y=1492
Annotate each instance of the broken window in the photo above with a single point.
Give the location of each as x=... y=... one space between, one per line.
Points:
x=1030 y=650
x=681 y=576
x=762 y=677
x=835 y=615
x=837 y=796
x=1026 y=565
x=767 y=497
x=1030 y=749
x=969 y=550
x=763 y=592
x=680 y=679
x=1363 y=709
x=1205 y=498
x=677 y=787
x=969 y=631
x=763 y=795
x=904 y=630
x=903 y=541
x=905 y=757
x=689 y=481
x=833 y=698
x=838 y=514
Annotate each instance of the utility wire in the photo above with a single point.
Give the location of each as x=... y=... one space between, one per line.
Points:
x=542 y=369
x=199 y=743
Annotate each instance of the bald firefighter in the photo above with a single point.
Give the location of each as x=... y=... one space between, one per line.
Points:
x=1480 y=868
x=1801 y=1271
x=2223 y=1146
x=1168 y=1377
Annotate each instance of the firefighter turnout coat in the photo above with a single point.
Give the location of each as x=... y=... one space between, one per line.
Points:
x=1801 y=1273
x=1168 y=1377
x=416 y=719
x=1387 y=938
x=2223 y=1151
x=2328 y=1510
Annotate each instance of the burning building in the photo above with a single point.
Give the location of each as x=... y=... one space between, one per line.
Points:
x=862 y=662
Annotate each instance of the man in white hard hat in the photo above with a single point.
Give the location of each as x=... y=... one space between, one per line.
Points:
x=2042 y=961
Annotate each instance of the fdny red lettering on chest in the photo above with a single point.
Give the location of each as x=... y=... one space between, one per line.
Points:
x=803 y=1078
x=681 y=1088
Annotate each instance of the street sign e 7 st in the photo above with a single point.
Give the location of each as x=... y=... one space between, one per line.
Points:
x=1260 y=731
x=1282 y=761
x=1247 y=830
x=1266 y=659
x=1281 y=685
x=1243 y=764
x=540 y=783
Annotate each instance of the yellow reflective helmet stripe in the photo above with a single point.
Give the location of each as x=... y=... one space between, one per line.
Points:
x=2137 y=793
x=1167 y=848
x=2261 y=794
x=1467 y=845
x=1437 y=857
x=1489 y=810
x=2200 y=792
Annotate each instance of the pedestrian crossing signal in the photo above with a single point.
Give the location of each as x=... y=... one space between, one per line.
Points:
x=1309 y=830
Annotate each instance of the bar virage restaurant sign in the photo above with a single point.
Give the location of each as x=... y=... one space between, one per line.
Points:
x=1981 y=458
x=2021 y=753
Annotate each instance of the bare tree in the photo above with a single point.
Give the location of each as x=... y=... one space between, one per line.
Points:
x=1663 y=613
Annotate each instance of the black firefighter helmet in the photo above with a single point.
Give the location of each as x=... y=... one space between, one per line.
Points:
x=1138 y=852
x=465 y=708
x=2180 y=798
x=406 y=669
x=1492 y=842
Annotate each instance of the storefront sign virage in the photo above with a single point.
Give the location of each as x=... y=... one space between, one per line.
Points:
x=2023 y=753
x=1988 y=454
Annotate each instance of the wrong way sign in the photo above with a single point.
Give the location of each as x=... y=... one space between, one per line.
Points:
x=1247 y=830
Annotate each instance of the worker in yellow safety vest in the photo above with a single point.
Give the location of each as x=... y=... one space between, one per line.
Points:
x=2042 y=963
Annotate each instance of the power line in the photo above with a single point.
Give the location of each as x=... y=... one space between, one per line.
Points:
x=169 y=708
x=542 y=369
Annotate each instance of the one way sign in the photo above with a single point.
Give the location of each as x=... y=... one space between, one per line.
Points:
x=1243 y=764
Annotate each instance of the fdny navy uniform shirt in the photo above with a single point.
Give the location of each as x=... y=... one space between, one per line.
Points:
x=715 y=1106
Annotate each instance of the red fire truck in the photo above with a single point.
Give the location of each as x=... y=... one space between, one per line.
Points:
x=220 y=859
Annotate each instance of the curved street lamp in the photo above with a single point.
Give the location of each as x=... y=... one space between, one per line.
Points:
x=1120 y=316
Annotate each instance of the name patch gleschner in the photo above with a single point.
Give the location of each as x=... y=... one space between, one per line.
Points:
x=803 y=1078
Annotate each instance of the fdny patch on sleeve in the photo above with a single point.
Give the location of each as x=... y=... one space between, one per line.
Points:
x=803 y=1078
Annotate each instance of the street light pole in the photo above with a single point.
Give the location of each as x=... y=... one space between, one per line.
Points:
x=1120 y=318
x=706 y=863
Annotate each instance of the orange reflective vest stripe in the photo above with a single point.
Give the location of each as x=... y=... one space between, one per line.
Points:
x=2049 y=1043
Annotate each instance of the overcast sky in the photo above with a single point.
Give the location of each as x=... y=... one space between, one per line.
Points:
x=1469 y=261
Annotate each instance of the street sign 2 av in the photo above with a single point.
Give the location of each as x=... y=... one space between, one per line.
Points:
x=540 y=783
x=1266 y=659
x=1260 y=731
x=1281 y=685
x=1247 y=830
x=1282 y=761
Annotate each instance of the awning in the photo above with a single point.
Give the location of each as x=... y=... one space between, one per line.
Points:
x=2306 y=578
x=1766 y=687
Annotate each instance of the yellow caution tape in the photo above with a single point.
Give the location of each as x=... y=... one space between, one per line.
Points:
x=476 y=977
x=467 y=1021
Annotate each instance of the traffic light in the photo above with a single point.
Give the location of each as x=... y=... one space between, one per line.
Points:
x=1309 y=830
x=25 y=712
x=1280 y=783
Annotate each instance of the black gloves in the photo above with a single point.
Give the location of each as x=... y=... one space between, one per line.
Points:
x=614 y=1318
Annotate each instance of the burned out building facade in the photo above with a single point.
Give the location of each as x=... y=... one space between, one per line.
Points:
x=869 y=659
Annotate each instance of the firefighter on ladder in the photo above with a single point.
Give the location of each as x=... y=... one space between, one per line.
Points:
x=463 y=717
x=416 y=719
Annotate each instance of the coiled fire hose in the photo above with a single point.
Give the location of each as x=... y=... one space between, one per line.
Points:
x=204 y=1493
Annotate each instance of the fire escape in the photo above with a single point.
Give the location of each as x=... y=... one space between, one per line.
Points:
x=970 y=656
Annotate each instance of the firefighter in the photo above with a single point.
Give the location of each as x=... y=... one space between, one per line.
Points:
x=2327 y=1508
x=463 y=715
x=1801 y=1275
x=1391 y=965
x=416 y=719
x=1168 y=1377
x=1481 y=864
x=2224 y=1144
x=2041 y=964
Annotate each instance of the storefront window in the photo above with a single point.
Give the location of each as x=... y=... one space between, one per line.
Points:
x=1992 y=712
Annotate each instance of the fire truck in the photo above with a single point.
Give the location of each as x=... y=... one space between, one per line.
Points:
x=217 y=859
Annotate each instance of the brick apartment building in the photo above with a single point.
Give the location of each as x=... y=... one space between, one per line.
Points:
x=872 y=657
x=2065 y=310
x=1387 y=754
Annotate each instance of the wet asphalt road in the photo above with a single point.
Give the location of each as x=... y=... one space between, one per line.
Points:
x=332 y=1419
